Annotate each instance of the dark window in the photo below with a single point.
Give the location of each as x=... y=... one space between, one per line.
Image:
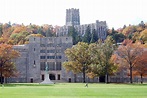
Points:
x=42 y=51
x=42 y=45
x=58 y=57
x=50 y=51
x=50 y=57
x=42 y=57
x=50 y=45
x=34 y=49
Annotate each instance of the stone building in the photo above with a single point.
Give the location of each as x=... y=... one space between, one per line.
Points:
x=34 y=56
x=73 y=19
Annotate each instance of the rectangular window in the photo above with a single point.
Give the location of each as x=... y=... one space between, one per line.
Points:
x=50 y=51
x=42 y=51
x=42 y=57
x=42 y=65
x=42 y=45
x=58 y=51
x=58 y=45
x=50 y=57
x=58 y=66
x=51 y=65
x=58 y=57
x=50 y=45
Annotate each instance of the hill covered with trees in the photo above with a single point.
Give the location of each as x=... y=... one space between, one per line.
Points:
x=18 y=33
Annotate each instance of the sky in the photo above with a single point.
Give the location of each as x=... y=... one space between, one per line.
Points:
x=116 y=13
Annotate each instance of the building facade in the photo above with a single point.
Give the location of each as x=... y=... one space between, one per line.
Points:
x=39 y=52
x=73 y=19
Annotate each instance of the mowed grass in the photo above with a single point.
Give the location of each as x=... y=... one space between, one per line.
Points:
x=73 y=90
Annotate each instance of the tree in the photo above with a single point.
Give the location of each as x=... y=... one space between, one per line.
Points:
x=141 y=66
x=118 y=37
x=40 y=31
x=72 y=32
x=19 y=38
x=87 y=35
x=78 y=59
x=7 y=55
x=143 y=36
x=94 y=36
x=96 y=68
x=107 y=50
x=129 y=52
x=101 y=58
x=1 y=30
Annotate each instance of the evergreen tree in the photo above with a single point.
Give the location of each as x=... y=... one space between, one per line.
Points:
x=72 y=32
x=49 y=33
x=40 y=31
x=87 y=35
x=94 y=36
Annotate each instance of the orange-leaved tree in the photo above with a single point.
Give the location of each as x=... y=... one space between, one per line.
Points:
x=7 y=66
x=128 y=52
x=141 y=66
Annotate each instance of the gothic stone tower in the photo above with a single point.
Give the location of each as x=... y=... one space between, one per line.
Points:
x=72 y=17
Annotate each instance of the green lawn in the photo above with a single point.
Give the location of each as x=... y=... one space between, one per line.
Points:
x=73 y=90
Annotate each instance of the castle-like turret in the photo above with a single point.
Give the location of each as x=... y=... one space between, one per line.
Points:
x=72 y=17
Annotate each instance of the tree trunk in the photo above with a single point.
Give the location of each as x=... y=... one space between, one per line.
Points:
x=141 y=78
x=107 y=80
x=107 y=73
x=131 y=74
x=1 y=77
x=75 y=78
x=84 y=74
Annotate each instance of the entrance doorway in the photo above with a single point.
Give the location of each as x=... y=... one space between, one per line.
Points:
x=1 y=80
x=31 y=80
x=42 y=77
x=52 y=77
x=58 y=76
x=102 y=79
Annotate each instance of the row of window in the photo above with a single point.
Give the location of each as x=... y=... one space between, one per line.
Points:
x=50 y=66
x=50 y=45
x=51 y=57
x=50 y=51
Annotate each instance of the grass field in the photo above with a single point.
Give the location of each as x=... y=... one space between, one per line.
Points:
x=73 y=90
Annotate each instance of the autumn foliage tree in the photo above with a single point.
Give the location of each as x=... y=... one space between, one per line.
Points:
x=140 y=68
x=128 y=53
x=7 y=66
x=101 y=57
x=78 y=59
x=91 y=60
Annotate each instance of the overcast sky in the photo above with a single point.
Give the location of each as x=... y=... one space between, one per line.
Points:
x=115 y=12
